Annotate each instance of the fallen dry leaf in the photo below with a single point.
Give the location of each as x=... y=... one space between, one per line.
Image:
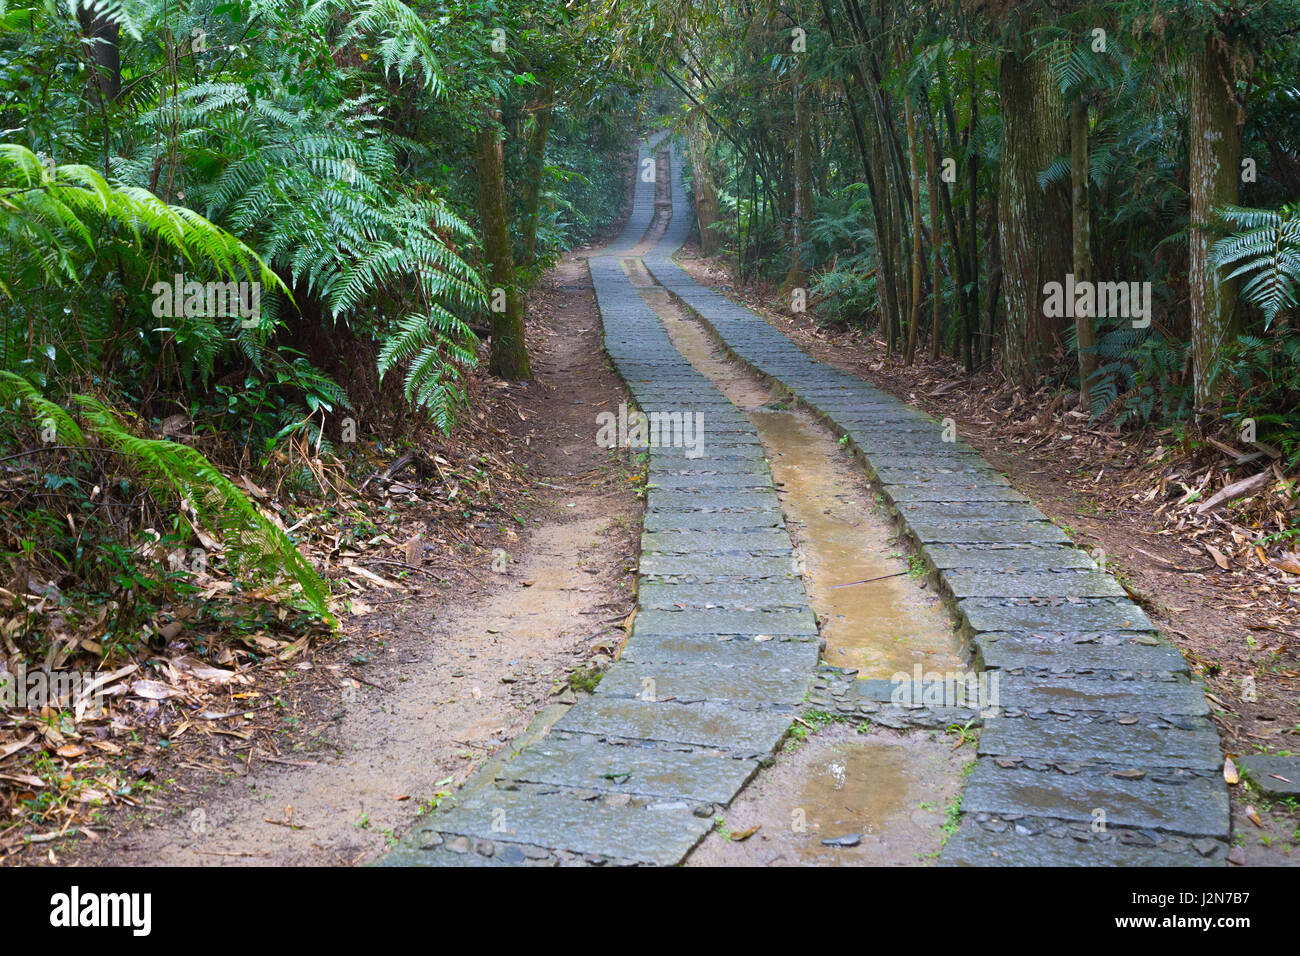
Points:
x=1289 y=562
x=1230 y=771
x=16 y=746
x=153 y=690
x=1219 y=558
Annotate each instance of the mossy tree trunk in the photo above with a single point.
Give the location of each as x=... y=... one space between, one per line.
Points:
x=801 y=187
x=1214 y=176
x=1085 y=330
x=536 y=162
x=509 y=354
x=914 y=319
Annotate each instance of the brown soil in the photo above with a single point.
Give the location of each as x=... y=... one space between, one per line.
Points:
x=376 y=727
x=1228 y=624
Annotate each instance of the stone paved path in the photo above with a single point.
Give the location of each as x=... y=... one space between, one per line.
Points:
x=721 y=654
x=1098 y=715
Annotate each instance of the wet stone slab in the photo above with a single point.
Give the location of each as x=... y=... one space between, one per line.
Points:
x=712 y=520
x=693 y=683
x=761 y=541
x=1008 y=557
x=733 y=466
x=990 y=614
x=903 y=428
x=991 y=532
x=701 y=725
x=1001 y=584
x=1275 y=775
x=656 y=836
x=720 y=650
x=966 y=491
x=945 y=483
x=1076 y=694
x=717 y=566
x=581 y=763
x=974 y=845
x=853 y=415
x=710 y=483
x=465 y=854
x=662 y=457
x=1080 y=653
x=1194 y=806
x=725 y=621
x=769 y=594
x=955 y=510
x=939 y=453
x=662 y=499
x=1149 y=743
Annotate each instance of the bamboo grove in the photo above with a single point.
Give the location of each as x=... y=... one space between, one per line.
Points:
x=929 y=170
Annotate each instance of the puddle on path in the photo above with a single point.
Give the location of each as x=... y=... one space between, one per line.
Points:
x=891 y=788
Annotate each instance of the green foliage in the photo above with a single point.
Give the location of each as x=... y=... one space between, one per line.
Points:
x=15 y=390
x=1139 y=377
x=49 y=220
x=1265 y=377
x=255 y=548
x=840 y=234
x=320 y=148
x=1268 y=251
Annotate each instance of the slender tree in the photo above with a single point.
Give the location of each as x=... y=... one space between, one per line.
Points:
x=509 y=354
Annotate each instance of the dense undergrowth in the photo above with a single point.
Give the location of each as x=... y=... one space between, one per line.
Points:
x=242 y=250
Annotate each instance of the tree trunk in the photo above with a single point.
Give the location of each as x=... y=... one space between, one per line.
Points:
x=509 y=355
x=914 y=320
x=935 y=326
x=1214 y=156
x=1085 y=330
x=101 y=35
x=988 y=321
x=1035 y=245
x=969 y=345
x=536 y=163
x=801 y=210
x=707 y=209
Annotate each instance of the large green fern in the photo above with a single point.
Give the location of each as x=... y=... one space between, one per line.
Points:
x=255 y=549
x=16 y=389
x=1268 y=250
x=53 y=217
x=308 y=188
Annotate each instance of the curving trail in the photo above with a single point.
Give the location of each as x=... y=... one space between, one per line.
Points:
x=1098 y=724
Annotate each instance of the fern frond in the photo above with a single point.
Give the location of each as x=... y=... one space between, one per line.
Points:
x=15 y=387
x=256 y=549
